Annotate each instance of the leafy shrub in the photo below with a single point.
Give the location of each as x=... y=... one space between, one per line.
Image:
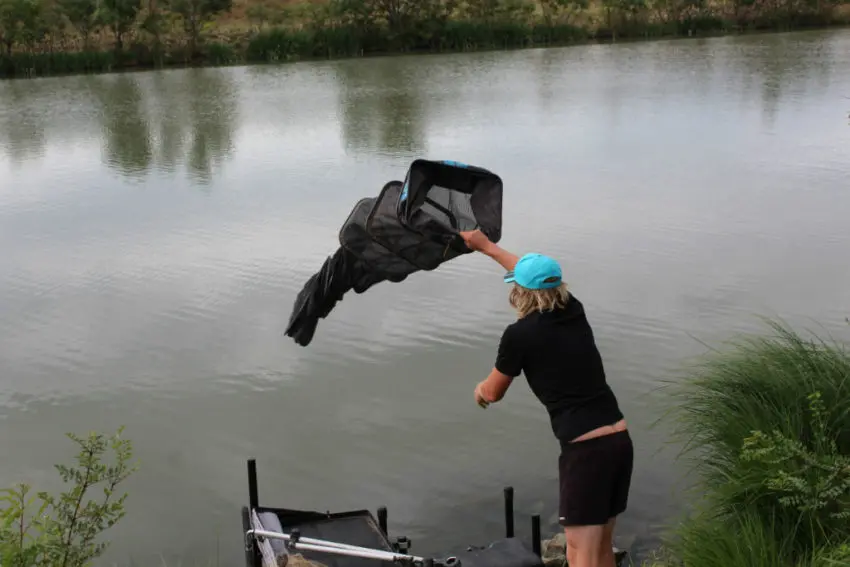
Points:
x=61 y=530
x=812 y=478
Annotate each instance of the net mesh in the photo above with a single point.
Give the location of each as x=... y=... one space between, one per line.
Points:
x=375 y=259
x=453 y=210
x=383 y=227
x=410 y=226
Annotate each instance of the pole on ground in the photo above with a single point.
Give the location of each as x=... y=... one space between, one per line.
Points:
x=382 y=520
x=535 y=535
x=253 y=495
x=509 y=511
x=253 y=503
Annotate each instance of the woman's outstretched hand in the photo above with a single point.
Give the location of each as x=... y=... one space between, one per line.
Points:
x=475 y=240
x=479 y=397
x=478 y=241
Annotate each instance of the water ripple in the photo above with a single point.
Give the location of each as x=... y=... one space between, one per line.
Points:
x=157 y=227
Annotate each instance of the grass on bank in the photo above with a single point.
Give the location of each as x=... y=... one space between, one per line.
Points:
x=766 y=425
x=742 y=540
x=44 y=37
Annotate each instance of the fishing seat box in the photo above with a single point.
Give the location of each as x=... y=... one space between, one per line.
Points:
x=360 y=528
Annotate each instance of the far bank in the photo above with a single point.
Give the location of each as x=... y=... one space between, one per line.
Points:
x=43 y=38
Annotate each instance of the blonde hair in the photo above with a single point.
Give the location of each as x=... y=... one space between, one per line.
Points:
x=526 y=301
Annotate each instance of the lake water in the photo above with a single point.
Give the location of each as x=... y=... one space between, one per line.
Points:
x=156 y=227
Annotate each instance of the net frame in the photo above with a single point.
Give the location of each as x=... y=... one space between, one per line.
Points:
x=480 y=188
x=401 y=222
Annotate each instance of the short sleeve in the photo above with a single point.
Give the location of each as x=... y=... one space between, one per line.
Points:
x=509 y=356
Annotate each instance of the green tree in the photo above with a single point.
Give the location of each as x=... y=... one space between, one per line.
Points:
x=119 y=15
x=622 y=13
x=407 y=22
x=258 y=13
x=63 y=529
x=357 y=13
x=156 y=21
x=393 y=13
x=50 y=25
x=195 y=13
x=515 y=10
x=552 y=8
x=481 y=10
x=83 y=16
x=19 y=23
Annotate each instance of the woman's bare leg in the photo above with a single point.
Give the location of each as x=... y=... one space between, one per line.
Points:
x=583 y=546
x=607 y=550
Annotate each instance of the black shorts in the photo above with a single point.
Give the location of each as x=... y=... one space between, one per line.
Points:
x=595 y=476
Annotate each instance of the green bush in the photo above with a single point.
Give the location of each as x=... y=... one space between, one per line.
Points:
x=767 y=425
x=811 y=477
x=45 y=530
x=220 y=54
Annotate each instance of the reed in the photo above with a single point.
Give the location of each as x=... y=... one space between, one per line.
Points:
x=56 y=63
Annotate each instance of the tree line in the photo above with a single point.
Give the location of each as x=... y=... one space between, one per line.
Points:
x=54 y=36
x=47 y=26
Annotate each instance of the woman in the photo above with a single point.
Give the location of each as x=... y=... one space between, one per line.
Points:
x=552 y=343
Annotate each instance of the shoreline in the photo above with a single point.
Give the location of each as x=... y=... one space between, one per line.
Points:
x=109 y=62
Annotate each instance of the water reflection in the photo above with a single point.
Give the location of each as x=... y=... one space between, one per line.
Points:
x=381 y=107
x=167 y=120
x=183 y=119
x=213 y=114
x=171 y=122
x=549 y=64
x=787 y=66
x=126 y=141
x=152 y=121
x=22 y=126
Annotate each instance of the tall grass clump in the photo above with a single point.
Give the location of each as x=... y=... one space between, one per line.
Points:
x=766 y=424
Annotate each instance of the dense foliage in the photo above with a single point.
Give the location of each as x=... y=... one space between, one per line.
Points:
x=768 y=427
x=64 y=36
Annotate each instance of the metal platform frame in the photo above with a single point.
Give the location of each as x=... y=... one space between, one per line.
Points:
x=394 y=552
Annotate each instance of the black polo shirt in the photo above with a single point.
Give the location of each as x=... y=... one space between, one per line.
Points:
x=558 y=355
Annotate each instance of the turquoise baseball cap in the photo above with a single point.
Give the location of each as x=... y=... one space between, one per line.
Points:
x=535 y=271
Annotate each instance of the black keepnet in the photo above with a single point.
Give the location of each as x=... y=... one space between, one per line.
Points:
x=410 y=226
x=377 y=260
